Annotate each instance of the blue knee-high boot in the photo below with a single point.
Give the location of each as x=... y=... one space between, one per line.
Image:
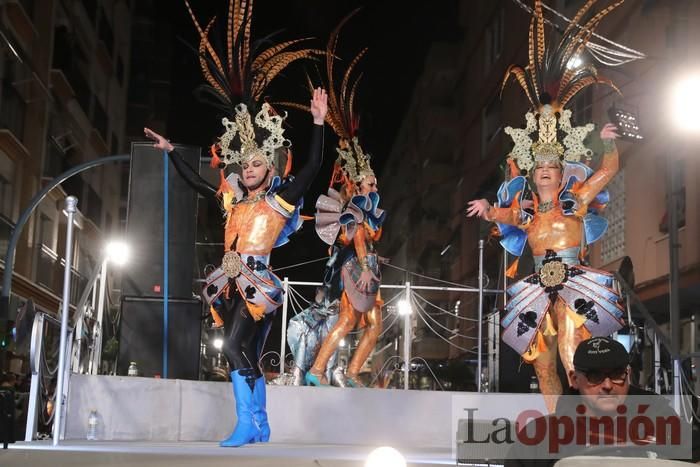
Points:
x=247 y=429
x=260 y=412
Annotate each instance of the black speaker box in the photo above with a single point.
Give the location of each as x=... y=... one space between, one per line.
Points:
x=141 y=337
x=143 y=277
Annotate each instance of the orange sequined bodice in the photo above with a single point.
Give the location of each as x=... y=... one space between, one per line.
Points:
x=552 y=230
x=253 y=226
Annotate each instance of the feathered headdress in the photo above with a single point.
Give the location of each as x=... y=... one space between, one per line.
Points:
x=353 y=164
x=236 y=81
x=550 y=80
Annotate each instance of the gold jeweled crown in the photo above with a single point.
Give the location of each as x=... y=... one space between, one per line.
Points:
x=243 y=127
x=353 y=160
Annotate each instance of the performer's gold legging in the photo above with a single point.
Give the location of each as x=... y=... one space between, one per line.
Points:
x=347 y=320
x=565 y=337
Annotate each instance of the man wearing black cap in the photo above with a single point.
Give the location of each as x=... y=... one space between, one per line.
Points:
x=601 y=368
x=599 y=386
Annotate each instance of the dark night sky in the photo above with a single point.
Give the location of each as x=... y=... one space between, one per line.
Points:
x=398 y=35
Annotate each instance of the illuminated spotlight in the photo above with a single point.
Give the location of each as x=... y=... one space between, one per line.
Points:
x=218 y=343
x=685 y=101
x=627 y=123
x=385 y=457
x=574 y=62
x=118 y=252
x=405 y=307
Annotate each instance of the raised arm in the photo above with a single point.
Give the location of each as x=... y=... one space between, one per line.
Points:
x=186 y=171
x=296 y=189
x=609 y=166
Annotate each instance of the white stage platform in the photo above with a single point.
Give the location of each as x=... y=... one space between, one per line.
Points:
x=153 y=422
x=176 y=454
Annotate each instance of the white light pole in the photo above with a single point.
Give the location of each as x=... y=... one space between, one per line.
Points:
x=71 y=207
x=685 y=104
x=405 y=310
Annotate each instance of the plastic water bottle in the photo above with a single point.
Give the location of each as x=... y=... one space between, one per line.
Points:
x=534 y=384
x=92 y=426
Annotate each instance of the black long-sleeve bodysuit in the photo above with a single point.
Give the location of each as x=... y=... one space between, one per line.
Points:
x=244 y=337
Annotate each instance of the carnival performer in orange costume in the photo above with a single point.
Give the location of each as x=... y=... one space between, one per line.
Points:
x=261 y=209
x=564 y=302
x=350 y=221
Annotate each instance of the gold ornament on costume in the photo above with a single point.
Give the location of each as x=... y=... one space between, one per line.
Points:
x=231 y=264
x=552 y=273
x=353 y=160
x=243 y=127
x=550 y=82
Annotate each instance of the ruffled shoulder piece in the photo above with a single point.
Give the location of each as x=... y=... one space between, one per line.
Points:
x=510 y=194
x=331 y=215
x=291 y=212
x=594 y=225
x=369 y=205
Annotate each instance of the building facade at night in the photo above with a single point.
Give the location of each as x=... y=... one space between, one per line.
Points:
x=65 y=71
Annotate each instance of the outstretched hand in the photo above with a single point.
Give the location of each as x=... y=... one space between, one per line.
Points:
x=319 y=105
x=478 y=207
x=160 y=141
x=609 y=131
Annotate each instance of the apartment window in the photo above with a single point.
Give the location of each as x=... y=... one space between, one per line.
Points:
x=13 y=108
x=74 y=186
x=7 y=176
x=47 y=256
x=45 y=235
x=613 y=243
x=55 y=162
x=94 y=206
x=99 y=118
x=493 y=41
x=491 y=125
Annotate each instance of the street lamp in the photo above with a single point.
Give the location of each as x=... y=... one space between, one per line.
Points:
x=685 y=103
x=117 y=252
x=404 y=307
